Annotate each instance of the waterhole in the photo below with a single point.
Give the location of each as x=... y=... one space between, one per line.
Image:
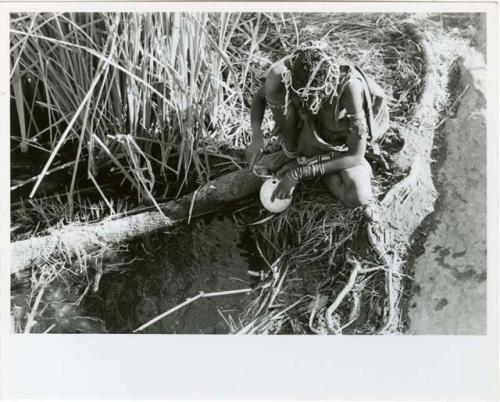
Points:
x=154 y=275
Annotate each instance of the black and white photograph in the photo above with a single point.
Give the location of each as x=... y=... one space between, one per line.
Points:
x=177 y=173
x=248 y=173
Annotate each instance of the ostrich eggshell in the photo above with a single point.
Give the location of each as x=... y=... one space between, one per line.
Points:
x=266 y=191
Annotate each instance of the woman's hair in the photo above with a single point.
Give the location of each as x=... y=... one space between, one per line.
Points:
x=314 y=73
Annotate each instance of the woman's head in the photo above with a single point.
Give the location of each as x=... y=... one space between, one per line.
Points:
x=314 y=70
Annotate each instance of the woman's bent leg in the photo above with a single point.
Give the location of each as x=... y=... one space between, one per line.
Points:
x=352 y=186
x=336 y=185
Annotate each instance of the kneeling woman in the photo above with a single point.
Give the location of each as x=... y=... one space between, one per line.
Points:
x=318 y=105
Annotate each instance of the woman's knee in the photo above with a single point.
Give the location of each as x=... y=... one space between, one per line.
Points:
x=334 y=183
x=354 y=197
x=358 y=189
x=350 y=196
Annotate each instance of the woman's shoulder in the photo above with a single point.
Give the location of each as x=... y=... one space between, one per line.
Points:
x=351 y=90
x=351 y=82
x=277 y=69
x=350 y=74
x=274 y=81
x=279 y=66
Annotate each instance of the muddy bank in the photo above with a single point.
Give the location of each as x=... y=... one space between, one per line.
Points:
x=449 y=291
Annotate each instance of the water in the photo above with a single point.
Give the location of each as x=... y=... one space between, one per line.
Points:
x=209 y=255
x=152 y=276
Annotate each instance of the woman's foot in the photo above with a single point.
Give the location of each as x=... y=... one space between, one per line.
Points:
x=371 y=212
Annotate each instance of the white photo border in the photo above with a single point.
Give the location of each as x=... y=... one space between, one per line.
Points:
x=251 y=367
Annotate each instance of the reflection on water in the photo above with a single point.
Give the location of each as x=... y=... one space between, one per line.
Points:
x=154 y=275
x=210 y=256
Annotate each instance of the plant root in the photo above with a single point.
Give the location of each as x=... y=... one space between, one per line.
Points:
x=380 y=248
x=343 y=293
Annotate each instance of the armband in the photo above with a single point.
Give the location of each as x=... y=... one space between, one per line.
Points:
x=358 y=125
x=306 y=172
x=302 y=160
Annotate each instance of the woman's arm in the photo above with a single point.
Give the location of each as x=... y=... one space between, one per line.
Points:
x=256 y=116
x=352 y=101
x=273 y=86
x=257 y=112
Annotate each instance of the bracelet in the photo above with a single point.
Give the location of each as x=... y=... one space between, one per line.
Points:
x=302 y=160
x=306 y=172
x=358 y=125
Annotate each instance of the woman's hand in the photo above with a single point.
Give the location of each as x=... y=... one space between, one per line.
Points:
x=254 y=151
x=284 y=189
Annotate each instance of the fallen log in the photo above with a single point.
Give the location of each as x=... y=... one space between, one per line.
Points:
x=77 y=240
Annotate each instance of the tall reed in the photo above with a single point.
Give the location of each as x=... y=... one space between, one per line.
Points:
x=144 y=92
